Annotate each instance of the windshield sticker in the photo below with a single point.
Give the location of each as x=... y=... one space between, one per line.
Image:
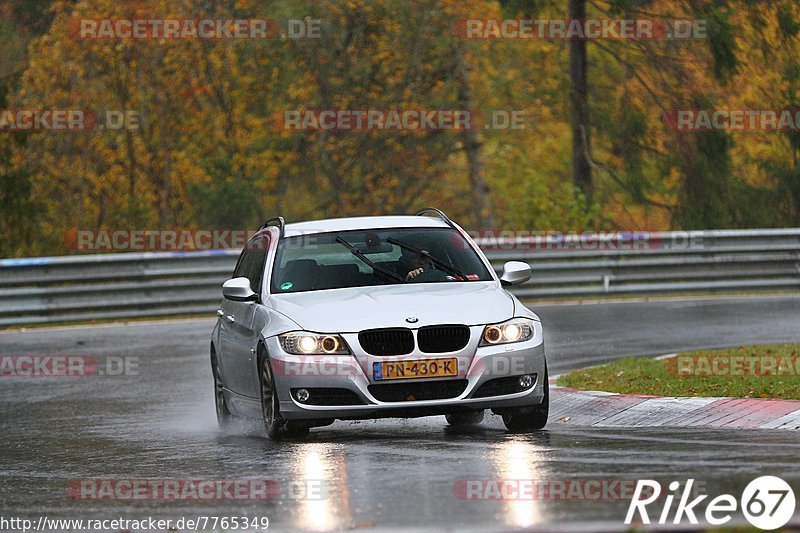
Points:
x=286 y=285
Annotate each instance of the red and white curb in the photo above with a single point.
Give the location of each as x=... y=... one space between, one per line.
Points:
x=604 y=409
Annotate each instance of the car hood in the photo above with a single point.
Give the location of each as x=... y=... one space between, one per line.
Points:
x=354 y=309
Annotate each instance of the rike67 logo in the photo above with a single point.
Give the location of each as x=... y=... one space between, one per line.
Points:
x=767 y=503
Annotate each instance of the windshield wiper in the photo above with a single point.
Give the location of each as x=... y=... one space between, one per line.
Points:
x=358 y=253
x=435 y=260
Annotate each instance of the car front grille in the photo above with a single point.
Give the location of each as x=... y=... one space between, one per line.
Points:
x=439 y=339
x=388 y=341
x=400 y=341
x=418 y=391
x=501 y=386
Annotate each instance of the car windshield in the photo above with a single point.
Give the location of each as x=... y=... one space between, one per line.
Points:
x=374 y=257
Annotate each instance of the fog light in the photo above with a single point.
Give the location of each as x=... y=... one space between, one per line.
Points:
x=302 y=395
x=526 y=381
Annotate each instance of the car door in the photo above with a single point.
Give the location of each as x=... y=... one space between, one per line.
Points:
x=237 y=336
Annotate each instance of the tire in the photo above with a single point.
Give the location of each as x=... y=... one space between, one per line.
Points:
x=274 y=424
x=224 y=416
x=465 y=419
x=270 y=406
x=532 y=417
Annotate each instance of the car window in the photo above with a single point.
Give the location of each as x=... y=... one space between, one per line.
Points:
x=320 y=261
x=239 y=271
x=251 y=262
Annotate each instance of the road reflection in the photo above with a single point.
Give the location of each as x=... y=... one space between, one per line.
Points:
x=520 y=459
x=322 y=469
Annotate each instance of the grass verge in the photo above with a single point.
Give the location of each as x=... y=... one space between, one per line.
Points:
x=771 y=371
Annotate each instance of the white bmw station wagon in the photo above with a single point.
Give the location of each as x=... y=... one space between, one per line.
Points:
x=368 y=317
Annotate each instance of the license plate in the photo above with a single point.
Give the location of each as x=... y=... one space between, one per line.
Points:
x=425 y=368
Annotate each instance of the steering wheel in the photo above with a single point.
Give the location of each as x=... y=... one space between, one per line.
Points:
x=429 y=276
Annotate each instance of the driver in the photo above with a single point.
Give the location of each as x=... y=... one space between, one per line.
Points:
x=415 y=264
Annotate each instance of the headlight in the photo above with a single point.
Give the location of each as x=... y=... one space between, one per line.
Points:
x=514 y=330
x=305 y=343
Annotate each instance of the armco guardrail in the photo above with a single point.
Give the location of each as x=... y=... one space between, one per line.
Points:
x=134 y=285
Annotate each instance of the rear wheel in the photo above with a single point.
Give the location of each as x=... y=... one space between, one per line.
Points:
x=463 y=419
x=531 y=417
x=274 y=423
x=224 y=416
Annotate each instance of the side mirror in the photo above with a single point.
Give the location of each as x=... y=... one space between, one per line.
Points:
x=238 y=290
x=515 y=272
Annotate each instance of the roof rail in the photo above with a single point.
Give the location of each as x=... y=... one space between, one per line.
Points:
x=281 y=225
x=439 y=213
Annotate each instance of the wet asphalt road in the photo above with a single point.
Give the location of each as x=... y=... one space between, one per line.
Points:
x=388 y=474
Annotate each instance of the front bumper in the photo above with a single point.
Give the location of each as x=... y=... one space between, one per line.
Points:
x=476 y=366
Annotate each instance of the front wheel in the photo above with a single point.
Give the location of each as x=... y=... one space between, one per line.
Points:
x=274 y=423
x=530 y=417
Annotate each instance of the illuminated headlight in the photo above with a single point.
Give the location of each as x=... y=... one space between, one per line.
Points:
x=305 y=343
x=514 y=330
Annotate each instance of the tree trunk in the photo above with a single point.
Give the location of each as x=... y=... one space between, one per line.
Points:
x=472 y=149
x=579 y=94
